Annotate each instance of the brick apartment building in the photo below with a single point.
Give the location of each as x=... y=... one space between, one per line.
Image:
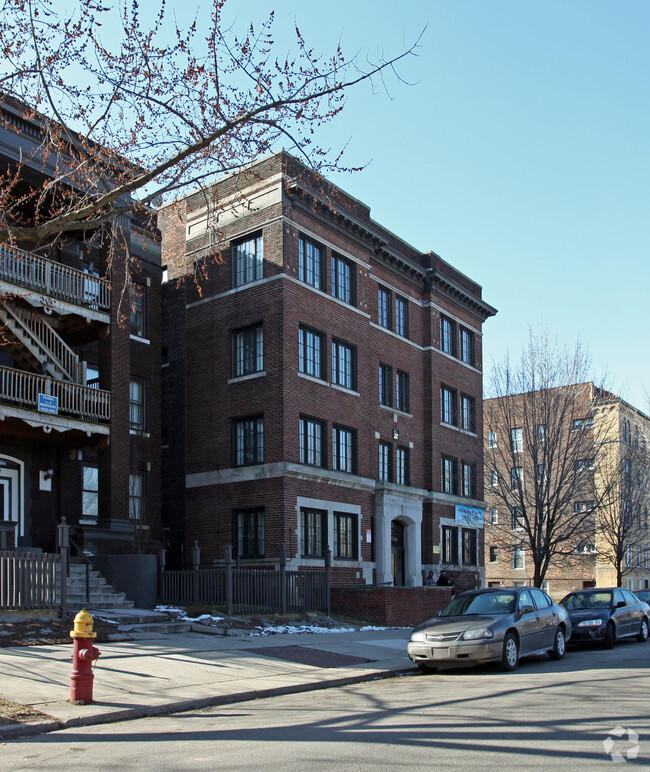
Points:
x=322 y=386
x=600 y=441
x=79 y=375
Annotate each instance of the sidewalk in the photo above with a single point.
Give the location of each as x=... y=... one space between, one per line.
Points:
x=192 y=670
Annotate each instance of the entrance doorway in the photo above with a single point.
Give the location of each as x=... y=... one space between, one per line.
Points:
x=11 y=499
x=397 y=552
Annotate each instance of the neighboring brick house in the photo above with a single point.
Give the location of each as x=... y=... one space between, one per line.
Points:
x=79 y=375
x=322 y=386
x=574 y=455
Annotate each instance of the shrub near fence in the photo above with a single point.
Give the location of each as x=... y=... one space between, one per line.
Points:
x=247 y=591
x=28 y=581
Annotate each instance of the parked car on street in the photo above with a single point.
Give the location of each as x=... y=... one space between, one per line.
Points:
x=605 y=615
x=498 y=624
x=643 y=595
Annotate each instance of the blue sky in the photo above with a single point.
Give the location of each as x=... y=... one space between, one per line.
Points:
x=519 y=154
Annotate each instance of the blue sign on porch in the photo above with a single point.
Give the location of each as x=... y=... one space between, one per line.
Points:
x=48 y=404
x=472 y=517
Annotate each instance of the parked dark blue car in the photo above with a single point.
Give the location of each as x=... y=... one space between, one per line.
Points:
x=606 y=615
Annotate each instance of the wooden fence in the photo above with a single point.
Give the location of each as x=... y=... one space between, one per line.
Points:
x=29 y=581
x=248 y=591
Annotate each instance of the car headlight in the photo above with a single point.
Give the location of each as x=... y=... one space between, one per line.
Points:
x=417 y=637
x=590 y=623
x=473 y=635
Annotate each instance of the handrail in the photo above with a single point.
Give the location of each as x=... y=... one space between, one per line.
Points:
x=22 y=388
x=32 y=271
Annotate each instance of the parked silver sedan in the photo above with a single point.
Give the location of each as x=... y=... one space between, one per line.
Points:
x=496 y=624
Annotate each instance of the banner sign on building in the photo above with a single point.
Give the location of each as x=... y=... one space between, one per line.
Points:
x=470 y=517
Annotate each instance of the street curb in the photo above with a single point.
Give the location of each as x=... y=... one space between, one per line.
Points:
x=23 y=730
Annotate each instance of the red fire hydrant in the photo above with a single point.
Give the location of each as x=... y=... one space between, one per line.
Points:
x=83 y=656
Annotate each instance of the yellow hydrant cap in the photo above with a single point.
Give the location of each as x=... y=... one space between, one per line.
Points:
x=83 y=626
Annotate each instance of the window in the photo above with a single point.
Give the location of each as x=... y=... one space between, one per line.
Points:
x=447 y=405
x=90 y=493
x=492 y=439
x=385 y=461
x=402 y=467
x=494 y=478
x=344 y=449
x=248 y=259
x=386 y=385
x=627 y=473
x=311 y=352
x=449 y=544
x=402 y=392
x=467 y=413
x=136 y=495
x=249 y=533
x=345 y=532
x=517 y=440
x=467 y=346
x=342 y=280
x=312 y=438
x=518 y=559
x=541 y=473
x=137 y=310
x=493 y=516
x=516 y=478
x=494 y=554
x=468 y=480
x=248 y=350
x=517 y=519
x=136 y=404
x=449 y=473
x=313 y=527
x=584 y=464
x=310 y=263
x=448 y=336
x=627 y=434
x=344 y=365
x=541 y=432
x=583 y=423
x=401 y=317
x=469 y=544
x=249 y=441
x=383 y=308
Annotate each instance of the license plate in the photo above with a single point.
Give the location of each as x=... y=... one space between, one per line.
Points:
x=440 y=653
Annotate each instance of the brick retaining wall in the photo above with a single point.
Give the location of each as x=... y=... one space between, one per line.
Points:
x=392 y=606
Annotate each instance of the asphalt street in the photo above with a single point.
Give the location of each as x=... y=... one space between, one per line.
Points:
x=587 y=711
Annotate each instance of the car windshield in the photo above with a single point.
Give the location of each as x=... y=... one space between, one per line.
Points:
x=490 y=603
x=579 y=601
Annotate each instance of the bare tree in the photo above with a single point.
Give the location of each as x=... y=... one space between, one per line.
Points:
x=163 y=108
x=622 y=515
x=540 y=457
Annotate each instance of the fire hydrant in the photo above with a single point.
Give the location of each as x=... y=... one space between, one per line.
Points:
x=83 y=656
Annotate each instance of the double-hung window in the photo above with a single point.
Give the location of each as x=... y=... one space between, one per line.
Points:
x=449 y=544
x=344 y=362
x=401 y=317
x=468 y=480
x=136 y=495
x=312 y=442
x=402 y=391
x=345 y=536
x=469 y=539
x=90 y=493
x=311 y=353
x=447 y=405
x=248 y=525
x=466 y=346
x=136 y=322
x=517 y=440
x=383 y=308
x=448 y=475
x=344 y=448
x=448 y=336
x=402 y=463
x=249 y=441
x=248 y=261
x=467 y=413
x=136 y=404
x=313 y=528
x=386 y=385
x=310 y=263
x=518 y=559
x=516 y=478
x=385 y=461
x=342 y=285
x=248 y=350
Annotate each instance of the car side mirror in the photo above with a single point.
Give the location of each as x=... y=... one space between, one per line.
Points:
x=526 y=609
x=620 y=604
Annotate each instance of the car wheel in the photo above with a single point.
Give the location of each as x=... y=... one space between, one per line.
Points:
x=610 y=636
x=424 y=668
x=559 y=645
x=643 y=632
x=510 y=656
